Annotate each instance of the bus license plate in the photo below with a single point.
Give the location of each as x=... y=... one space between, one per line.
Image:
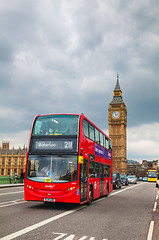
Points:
x=49 y=199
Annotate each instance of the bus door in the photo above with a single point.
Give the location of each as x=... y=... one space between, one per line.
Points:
x=101 y=179
x=83 y=180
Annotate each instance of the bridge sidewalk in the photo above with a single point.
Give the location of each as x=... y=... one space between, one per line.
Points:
x=11 y=185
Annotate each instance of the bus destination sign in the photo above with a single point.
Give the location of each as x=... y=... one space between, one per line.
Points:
x=55 y=145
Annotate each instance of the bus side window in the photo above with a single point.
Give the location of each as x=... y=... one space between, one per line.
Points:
x=110 y=145
x=91 y=169
x=96 y=169
x=107 y=145
x=106 y=170
x=104 y=142
x=97 y=139
x=85 y=128
x=101 y=139
x=91 y=132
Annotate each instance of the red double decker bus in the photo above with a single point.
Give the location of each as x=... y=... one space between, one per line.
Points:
x=69 y=160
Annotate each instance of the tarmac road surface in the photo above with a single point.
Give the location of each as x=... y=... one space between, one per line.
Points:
x=128 y=213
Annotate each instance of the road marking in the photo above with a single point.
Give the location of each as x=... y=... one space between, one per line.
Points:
x=61 y=235
x=40 y=224
x=156 y=197
x=114 y=193
x=1 y=194
x=11 y=201
x=82 y=238
x=155 y=206
x=72 y=236
x=149 y=237
x=6 y=204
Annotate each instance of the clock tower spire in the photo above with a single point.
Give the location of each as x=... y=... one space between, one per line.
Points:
x=117 y=119
x=117 y=87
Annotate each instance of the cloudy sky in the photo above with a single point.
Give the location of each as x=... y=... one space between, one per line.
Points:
x=63 y=57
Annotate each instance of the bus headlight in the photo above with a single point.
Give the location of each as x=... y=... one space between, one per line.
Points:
x=70 y=189
x=30 y=187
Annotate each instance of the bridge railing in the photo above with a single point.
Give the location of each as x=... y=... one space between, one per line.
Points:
x=7 y=180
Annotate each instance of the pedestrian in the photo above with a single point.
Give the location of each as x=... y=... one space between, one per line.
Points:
x=11 y=177
x=21 y=177
x=15 y=177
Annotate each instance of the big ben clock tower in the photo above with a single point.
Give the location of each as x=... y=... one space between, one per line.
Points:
x=117 y=119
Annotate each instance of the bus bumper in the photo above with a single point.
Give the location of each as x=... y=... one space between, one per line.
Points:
x=33 y=194
x=152 y=179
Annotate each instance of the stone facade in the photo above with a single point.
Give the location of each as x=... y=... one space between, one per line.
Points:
x=117 y=119
x=150 y=164
x=11 y=160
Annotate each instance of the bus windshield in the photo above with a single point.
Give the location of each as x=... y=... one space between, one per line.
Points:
x=56 y=125
x=152 y=174
x=54 y=168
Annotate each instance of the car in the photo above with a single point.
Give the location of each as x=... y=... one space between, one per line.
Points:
x=132 y=179
x=144 y=179
x=124 y=180
x=157 y=183
x=116 y=180
x=140 y=178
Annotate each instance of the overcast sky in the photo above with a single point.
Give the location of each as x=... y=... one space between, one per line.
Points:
x=62 y=56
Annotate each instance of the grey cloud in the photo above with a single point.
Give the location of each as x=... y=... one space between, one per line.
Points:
x=63 y=56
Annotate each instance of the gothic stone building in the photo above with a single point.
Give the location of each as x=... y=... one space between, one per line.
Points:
x=150 y=164
x=117 y=119
x=11 y=160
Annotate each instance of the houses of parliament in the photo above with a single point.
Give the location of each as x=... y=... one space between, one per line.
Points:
x=11 y=160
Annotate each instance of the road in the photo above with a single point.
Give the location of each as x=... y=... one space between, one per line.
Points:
x=128 y=213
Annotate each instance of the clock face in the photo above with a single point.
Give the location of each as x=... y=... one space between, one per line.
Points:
x=116 y=114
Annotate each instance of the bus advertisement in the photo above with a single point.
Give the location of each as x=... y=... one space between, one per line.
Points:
x=68 y=160
x=152 y=175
